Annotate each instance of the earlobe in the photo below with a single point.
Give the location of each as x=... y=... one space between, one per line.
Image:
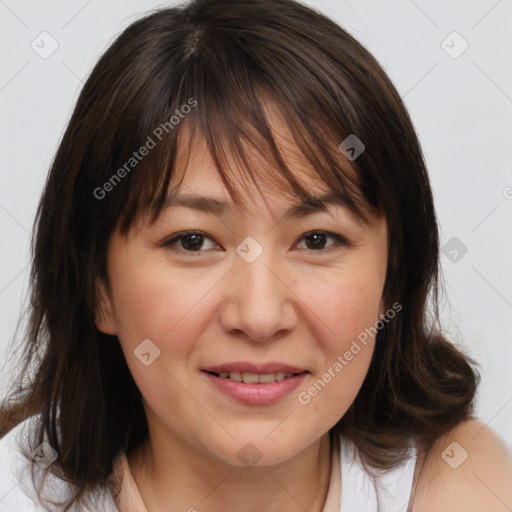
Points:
x=103 y=317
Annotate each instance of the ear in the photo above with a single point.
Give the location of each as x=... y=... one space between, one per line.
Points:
x=103 y=317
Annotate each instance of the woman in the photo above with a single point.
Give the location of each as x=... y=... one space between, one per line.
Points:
x=232 y=260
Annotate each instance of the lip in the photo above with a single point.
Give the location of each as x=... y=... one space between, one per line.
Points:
x=248 y=367
x=256 y=394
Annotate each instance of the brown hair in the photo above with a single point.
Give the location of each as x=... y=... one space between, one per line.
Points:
x=231 y=57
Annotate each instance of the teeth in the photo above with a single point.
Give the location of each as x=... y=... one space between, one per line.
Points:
x=267 y=377
x=250 y=378
x=254 y=378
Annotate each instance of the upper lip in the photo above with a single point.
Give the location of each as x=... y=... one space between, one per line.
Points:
x=247 y=367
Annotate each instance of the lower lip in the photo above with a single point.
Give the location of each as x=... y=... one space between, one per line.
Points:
x=256 y=393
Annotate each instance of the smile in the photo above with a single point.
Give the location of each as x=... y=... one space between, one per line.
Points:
x=255 y=378
x=254 y=388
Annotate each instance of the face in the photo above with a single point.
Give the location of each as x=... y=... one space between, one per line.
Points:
x=249 y=285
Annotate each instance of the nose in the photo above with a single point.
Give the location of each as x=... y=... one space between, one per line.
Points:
x=258 y=299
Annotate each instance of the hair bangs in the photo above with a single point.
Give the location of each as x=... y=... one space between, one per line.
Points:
x=250 y=131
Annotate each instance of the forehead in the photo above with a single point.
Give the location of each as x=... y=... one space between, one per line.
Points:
x=201 y=188
x=196 y=171
x=251 y=166
x=243 y=162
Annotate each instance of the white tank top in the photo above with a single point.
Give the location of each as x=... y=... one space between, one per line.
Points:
x=361 y=492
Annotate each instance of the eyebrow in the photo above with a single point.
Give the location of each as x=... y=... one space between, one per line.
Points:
x=303 y=209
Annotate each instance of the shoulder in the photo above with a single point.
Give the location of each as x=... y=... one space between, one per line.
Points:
x=469 y=469
x=15 y=466
x=17 y=491
x=24 y=467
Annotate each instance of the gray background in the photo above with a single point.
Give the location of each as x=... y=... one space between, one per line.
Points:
x=461 y=105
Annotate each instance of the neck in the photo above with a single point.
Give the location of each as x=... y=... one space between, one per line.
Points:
x=184 y=481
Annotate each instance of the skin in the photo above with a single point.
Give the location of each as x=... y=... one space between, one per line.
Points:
x=285 y=306
x=292 y=304
x=479 y=477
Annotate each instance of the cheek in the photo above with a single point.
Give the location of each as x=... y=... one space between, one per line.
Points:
x=355 y=312
x=159 y=304
x=352 y=315
x=163 y=304
x=345 y=302
x=348 y=305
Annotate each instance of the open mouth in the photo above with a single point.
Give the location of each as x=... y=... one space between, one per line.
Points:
x=254 y=378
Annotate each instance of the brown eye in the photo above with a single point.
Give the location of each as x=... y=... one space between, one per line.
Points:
x=189 y=242
x=194 y=243
x=316 y=240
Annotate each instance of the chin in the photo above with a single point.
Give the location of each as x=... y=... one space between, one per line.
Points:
x=258 y=448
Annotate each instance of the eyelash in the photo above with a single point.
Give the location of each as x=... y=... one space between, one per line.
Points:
x=341 y=241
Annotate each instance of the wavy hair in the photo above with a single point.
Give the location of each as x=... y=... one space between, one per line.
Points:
x=232 y=57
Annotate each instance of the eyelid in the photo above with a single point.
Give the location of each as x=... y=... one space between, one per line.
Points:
x=168 y=242
x=342 y=241
x=339 y=238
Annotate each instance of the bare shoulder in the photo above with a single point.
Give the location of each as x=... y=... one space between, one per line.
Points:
x=469 y=469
